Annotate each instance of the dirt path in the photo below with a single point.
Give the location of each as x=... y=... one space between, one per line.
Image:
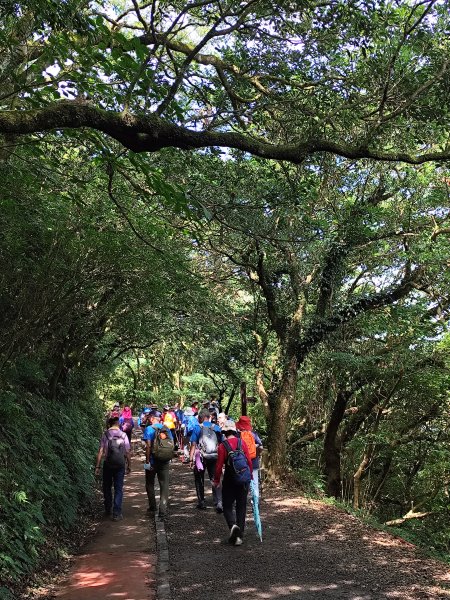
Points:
x=310 y=551
x=120 y=560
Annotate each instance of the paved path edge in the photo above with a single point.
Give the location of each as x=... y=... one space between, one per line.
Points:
x=163 y=591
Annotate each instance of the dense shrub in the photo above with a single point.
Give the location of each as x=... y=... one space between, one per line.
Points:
x=48 y=449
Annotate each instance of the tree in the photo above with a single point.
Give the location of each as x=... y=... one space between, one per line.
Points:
x=310 y=275
x=286 y=82
x=339 y=89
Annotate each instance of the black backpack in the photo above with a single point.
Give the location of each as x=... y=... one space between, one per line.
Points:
x=115 y=454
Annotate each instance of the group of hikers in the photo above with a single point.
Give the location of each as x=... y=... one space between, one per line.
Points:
x=206 y=439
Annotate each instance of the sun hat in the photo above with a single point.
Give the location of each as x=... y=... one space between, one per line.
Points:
x=244 y=424
x=189 y=412
x=229 y=426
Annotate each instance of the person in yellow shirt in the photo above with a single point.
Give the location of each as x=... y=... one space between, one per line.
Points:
x=169 y=419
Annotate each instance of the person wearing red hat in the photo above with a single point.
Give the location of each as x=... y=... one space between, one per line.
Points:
x=254 y=444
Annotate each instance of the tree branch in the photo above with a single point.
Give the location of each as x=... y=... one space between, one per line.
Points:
x=151 y=133
x=320 y=328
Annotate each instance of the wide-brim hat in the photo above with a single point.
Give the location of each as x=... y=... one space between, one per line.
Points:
x=229 y=426
x=189 y=412
x=244 y=424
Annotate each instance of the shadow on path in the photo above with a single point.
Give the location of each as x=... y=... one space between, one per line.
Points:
x=310 y=551
x=119 y=562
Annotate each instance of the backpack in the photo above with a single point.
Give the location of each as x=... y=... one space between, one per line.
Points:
x=163 y=445
x=250 y=442
x=127 y=425
x=115 y=454
x=237 y=463
x=208 y=442
x=190 y=423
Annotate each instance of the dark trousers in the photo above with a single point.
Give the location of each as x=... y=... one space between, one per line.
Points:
x=234 y=495
x=209 y=465
x=113 y=477
x=160 y=469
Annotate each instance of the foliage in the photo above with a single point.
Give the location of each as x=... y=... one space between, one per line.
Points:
x=309 y=258
x=47 y=450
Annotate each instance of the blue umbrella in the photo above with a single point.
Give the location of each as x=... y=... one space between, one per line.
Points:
x=255 y=506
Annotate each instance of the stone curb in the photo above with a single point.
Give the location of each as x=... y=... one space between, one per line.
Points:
x=163 y=591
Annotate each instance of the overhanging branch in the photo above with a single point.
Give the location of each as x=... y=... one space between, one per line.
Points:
x=151 y=133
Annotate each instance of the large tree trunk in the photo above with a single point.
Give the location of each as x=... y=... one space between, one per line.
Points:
x=331 y=447
x=280 y=418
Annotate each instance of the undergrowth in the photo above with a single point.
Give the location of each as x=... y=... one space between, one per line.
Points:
x=48 y=449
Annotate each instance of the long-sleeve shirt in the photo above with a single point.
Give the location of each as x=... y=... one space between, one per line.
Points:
x=222 y=456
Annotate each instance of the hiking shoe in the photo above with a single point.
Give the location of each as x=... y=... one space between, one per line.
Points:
x=219 y=508
x=117 y=517
x=235 y=533
x=201 y=505
x=238 y=541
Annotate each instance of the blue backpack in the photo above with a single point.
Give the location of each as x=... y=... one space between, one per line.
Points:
x=190 y=423
x=238 y=464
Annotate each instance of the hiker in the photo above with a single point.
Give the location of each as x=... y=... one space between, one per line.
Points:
x=254 y=445
x=114 y=412
x=126 y=422
x=214 y=405
x=144 y=416
x=213 y=415
x=194 y=407
x=203 y=457
x=221 y=418
x=169 y=419
x=115 y=449
x=188 y=424
x=233 y=453
x=178 y=430
x=159 y=449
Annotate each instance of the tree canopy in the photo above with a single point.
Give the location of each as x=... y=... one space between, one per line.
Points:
x=356 y=79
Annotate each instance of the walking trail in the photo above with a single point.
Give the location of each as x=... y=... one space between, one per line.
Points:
x=310 y=551
x=120 y=561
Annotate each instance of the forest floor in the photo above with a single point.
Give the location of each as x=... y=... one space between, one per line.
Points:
x=310 y=551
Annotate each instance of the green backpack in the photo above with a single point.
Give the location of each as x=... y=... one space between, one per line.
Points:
x=163 y=445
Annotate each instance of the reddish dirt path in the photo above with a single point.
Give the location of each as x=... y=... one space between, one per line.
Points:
x=311 y=551
x=119 y=562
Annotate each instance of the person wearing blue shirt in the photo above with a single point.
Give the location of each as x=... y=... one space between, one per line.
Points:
x=188 y=424
x=205 y=440
x=155 y=467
